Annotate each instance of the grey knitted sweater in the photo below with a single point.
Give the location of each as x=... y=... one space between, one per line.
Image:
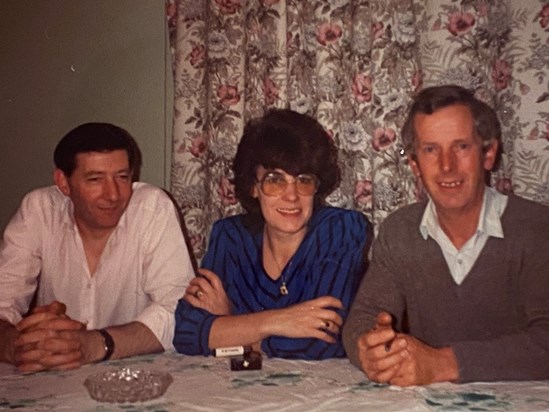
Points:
x=496 y=321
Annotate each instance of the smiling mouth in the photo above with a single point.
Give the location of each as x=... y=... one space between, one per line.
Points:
x=451 y=184
x=288 y=211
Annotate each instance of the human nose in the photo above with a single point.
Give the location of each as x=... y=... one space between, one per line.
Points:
x=447 y=160
x=290 y=191
x=111 y=190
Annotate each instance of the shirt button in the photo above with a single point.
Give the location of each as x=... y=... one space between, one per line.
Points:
x=89 y=285
x=460 y=261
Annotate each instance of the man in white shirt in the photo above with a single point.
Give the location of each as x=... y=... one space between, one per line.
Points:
x=103 y=256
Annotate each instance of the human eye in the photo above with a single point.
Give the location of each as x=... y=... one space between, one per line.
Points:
x=429 y=150
x=306 y=179
x=93 y=179
x=459 y=147
x=125 y=177
x=273 y=178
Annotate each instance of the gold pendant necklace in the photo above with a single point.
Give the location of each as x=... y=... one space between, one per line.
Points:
x=283 y=288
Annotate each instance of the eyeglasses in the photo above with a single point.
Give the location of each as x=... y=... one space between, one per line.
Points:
x=274 y=184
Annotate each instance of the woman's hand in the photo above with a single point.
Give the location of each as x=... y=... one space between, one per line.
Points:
x=206 y=292
x=316 y=318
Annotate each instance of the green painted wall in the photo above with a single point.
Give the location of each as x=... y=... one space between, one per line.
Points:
x=66 y=62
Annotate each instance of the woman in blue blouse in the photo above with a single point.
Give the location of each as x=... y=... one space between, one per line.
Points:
x=281 y=277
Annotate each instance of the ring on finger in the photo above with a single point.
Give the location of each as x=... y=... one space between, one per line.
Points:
x=198 y=294
x=326 y=324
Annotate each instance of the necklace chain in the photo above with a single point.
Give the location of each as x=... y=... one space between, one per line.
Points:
x=283 y=288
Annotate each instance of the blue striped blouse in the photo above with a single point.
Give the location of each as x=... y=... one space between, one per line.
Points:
x=329 y=261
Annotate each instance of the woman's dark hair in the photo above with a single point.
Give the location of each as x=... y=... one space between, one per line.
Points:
x=431 y=99
x=283 y=139
x=96 y=137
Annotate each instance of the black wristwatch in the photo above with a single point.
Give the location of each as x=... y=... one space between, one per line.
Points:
x=109 y=344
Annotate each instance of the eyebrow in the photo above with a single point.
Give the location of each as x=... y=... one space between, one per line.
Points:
x=458 y=140
x=100 y=172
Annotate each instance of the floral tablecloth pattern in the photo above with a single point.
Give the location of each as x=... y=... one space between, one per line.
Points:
x=207 y=384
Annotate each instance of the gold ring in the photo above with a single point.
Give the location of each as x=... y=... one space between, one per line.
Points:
x=198 y=294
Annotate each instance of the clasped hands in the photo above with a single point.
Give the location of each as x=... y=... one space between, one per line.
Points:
x=48 y=339
x=399 y=359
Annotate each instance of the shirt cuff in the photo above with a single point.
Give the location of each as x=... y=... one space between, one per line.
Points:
x=10 y=315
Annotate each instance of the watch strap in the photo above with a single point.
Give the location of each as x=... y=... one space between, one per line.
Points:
x=109 y=344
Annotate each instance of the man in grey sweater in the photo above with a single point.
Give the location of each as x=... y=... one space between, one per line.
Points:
x=458 y=287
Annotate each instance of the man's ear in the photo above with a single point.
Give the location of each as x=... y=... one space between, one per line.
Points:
x=254 y=191
x=412 y=160
x=490 y=152
x=61 y=182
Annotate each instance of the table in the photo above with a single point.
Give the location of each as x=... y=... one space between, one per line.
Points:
x=207 y=384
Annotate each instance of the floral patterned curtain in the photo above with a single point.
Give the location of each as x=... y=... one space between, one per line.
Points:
x=354 y=65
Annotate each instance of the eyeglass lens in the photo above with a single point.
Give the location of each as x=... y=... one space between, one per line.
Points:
x=275 y=183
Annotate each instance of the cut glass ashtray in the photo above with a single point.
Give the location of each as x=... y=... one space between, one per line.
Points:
x=127 y=385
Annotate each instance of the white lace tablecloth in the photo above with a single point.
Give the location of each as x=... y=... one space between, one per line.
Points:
x=207 y=384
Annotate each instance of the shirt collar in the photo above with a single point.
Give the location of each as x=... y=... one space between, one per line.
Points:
x=67 y=212
x=493 y=206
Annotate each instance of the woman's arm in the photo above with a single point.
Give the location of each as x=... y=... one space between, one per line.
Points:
x=198 y=332
x=315 y=318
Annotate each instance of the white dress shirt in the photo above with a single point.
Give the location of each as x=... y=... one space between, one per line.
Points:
x=143 y=270
x=461 y=261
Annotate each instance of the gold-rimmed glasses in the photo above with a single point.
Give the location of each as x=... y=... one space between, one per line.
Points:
x=275 y=183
